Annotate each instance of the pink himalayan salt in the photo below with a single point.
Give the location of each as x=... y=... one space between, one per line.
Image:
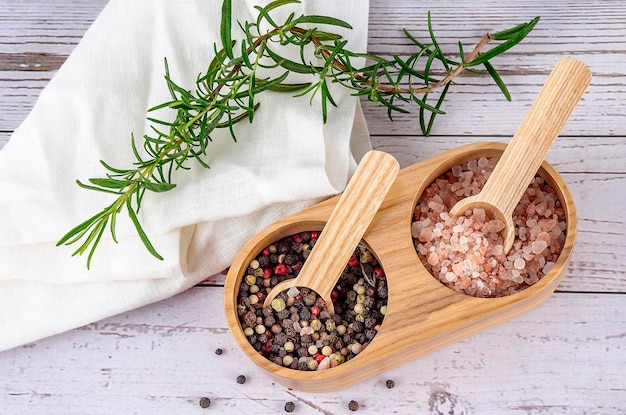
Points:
x=466 y=253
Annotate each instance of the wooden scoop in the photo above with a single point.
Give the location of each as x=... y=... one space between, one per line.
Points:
x=528 y=147
x=349 y=220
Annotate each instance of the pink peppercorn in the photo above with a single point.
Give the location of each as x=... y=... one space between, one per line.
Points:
x=353 y=262
x=297 y=238
x=315 y=310
x=314 y=235
x=267 y=273
x=281 y=269
x=378 y=272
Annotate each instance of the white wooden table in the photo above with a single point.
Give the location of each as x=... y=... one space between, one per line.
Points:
x=566 y=357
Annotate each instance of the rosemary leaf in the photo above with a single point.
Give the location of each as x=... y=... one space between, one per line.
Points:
x=110 y=183
x=97 y=188
x=225 y=28
x=438 y=50
x=80 y=228
x=436 y=111
x=140 y=231
x=158 y=187
x=496 y=77
x=291 y=65
x=511 y=41
x=507 y=34
x=278 y=3
x=280 y=87
x=323 y=20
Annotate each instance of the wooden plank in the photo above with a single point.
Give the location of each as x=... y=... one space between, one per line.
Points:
x=561 y=358
x=474 y=107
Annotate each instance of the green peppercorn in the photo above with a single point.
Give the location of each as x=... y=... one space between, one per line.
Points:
x=316 y=325
x=338 y=357
x=365 y=257
x=330 y=325
x=250 y=279
x=278 y=304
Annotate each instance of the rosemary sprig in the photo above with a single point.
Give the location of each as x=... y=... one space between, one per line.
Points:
x=227 y=94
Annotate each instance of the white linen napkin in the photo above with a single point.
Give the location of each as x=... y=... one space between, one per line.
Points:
x=286 y=160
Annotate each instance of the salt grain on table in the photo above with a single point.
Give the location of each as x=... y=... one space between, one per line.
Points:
x=466 y=253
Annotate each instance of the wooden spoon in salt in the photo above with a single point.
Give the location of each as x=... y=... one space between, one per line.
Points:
x=346 y=225
x=528 y=147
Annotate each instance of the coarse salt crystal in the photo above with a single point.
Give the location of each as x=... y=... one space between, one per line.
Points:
x=293 y=292
x=519 y=263
x=549 y=265
x=324 y=364
x=306 y=330
x=538 y=246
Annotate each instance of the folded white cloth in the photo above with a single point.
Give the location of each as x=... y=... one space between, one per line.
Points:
x=285 y=160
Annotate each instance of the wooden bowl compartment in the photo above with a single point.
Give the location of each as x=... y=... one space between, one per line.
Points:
x=422 y=315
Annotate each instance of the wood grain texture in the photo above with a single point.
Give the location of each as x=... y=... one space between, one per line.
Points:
x=561 y=358
x=564 y=357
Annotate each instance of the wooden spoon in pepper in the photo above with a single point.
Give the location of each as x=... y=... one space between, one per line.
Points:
x=346 y=225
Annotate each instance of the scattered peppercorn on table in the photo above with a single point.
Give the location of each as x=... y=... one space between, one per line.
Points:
x=178 y=356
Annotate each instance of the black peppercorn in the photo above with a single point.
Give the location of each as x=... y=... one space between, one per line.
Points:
x=390 y=383
x=305 y=314
x=264 y=261
x=204 y=402
x=241 y=379
x=353 y=406
x=290 y=406
x=218 y=351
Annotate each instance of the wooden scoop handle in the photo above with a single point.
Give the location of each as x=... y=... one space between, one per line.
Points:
x=348 y=221
x=530 y=144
